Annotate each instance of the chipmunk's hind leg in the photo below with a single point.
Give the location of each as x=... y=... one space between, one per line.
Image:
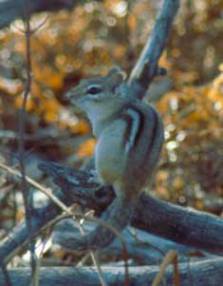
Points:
x=115 y=219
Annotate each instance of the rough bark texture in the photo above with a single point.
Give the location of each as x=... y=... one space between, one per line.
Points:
x=183 y=225
x=146 y=67
x=180 y=224
x=207 y=272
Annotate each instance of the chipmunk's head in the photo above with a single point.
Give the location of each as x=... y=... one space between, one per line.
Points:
x=95 y=92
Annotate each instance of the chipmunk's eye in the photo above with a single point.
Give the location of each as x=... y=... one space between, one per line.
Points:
x=94 y=89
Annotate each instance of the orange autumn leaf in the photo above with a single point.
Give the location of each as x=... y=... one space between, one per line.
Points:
x=86 y=149
x=132 y=22
x=51 y=109
x=82 y=127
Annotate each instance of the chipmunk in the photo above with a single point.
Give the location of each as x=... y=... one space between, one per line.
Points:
x=129 y=137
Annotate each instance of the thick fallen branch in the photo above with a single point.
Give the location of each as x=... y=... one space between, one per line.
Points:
x=207 y=272
x=10 y=10
x=141 y=246
x=183 y=225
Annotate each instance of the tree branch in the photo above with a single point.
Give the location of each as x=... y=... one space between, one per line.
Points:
x=207 y=272
x=183 y=225
x=10 y=10
x=146 y=67
x=27 y=196
x=141 y=246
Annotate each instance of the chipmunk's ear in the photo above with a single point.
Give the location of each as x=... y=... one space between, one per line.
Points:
x=115 y=77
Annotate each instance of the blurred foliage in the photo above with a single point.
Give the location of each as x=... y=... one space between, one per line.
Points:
x=68 y=46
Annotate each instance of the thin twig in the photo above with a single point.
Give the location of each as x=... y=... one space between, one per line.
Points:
x=34 y=29
x=21 y=144
x=170 y=258
x=69 y=212
x=6 y=275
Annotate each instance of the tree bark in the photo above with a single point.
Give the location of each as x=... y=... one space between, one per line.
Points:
x=179 y=224
x=207 y=272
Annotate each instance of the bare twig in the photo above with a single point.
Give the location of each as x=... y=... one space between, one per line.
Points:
x=69 y=212
x=34 y=29
x=46 y=191
x=170 y=258
x=21 y=143
x=6 y=275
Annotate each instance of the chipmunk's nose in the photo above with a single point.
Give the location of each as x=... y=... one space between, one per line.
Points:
x=72 y=95
x=76 y=99
x=68 y=95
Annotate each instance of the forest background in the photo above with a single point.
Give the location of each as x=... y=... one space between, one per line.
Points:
x=67 y=46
